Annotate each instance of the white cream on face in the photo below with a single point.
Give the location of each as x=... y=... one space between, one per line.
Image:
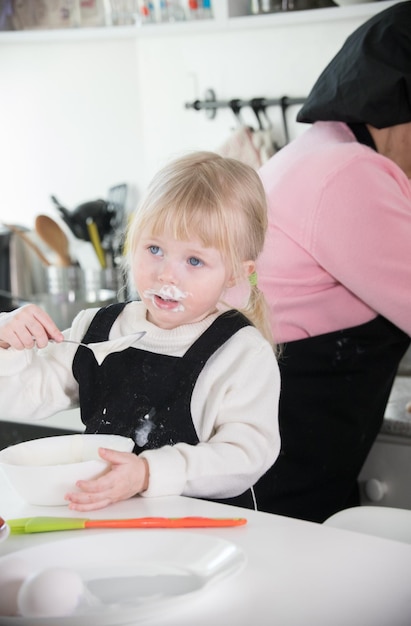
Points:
x=168 y=292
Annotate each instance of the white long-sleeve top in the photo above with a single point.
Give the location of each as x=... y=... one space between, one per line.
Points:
x=234 y=405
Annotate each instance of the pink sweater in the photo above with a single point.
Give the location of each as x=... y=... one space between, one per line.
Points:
x=338 y=249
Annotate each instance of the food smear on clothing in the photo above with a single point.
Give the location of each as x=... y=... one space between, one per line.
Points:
x=53 y=592
x=144 y=428
x=104 y=421
x=167 y=297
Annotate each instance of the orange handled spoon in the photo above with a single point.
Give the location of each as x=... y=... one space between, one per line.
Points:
x=46 y=524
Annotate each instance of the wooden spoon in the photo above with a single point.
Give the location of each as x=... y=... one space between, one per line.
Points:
x=51 y=233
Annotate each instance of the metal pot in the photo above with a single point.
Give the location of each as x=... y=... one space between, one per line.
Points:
x=21 y=271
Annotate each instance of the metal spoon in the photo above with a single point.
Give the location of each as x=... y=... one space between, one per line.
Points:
x=97 y=346
x=77 y=343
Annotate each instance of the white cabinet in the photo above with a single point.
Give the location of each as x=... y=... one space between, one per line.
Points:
x=385 y=479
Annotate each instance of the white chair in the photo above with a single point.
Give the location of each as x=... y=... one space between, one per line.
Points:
x=386 y=522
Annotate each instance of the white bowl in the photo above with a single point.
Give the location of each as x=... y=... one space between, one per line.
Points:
x=344 y=3
x=43 y=470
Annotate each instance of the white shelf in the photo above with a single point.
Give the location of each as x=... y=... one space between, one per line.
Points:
x=337 y=13
x=110 y=32
x=222 y=22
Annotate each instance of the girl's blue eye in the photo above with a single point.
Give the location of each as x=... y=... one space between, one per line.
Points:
x=194 y=261
x=155 y=250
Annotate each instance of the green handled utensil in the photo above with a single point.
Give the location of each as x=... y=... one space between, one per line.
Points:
x=25 y=525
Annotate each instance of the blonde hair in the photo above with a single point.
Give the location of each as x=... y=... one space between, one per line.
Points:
x=222 y=202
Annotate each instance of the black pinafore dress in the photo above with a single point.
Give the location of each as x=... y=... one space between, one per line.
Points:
x=334 y=390
x=144 y=395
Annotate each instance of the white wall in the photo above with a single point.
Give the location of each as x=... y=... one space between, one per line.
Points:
x=79 y=116
x=70 y=123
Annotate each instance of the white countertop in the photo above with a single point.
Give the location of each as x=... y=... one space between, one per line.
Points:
x=297 y=573
x=69 y=420
x=397 y=420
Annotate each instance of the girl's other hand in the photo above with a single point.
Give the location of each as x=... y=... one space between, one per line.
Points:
x=27 y=327
x=127 y=477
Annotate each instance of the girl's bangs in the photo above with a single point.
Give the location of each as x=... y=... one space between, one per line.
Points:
x=186 y=220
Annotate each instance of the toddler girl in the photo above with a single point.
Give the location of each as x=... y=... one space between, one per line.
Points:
x=199 y=391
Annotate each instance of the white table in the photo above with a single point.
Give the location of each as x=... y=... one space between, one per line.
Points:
x=297 y=573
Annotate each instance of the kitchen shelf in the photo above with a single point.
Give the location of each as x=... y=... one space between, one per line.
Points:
x=224 y=20
x=336 y=13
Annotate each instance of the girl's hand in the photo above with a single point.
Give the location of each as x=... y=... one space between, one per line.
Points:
x=127 y=476
x=27 y=327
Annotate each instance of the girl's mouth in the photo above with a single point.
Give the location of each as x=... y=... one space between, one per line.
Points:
x=168 y=298
x=167 y=304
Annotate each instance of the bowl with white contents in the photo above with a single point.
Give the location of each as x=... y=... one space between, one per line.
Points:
x=43 y=470
x=343 y=3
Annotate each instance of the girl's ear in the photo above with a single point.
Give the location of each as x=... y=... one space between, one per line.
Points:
x=248 y=269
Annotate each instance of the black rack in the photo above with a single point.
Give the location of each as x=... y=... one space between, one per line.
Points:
x=210 y=104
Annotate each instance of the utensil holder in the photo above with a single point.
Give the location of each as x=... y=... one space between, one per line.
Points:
x=71 y=289
x=81 y=281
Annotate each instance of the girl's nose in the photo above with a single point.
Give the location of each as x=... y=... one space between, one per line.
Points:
x=168 y=273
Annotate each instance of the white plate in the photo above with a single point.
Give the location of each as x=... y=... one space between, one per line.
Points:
x=139 y=575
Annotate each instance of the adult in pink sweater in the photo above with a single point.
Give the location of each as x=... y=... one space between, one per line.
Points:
x=336 y=268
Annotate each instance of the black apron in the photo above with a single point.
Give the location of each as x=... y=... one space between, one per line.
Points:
x=144 y=395
x=334 y=391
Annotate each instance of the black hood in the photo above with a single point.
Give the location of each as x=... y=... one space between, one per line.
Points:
x=369 y=80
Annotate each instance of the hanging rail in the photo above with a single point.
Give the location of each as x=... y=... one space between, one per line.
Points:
x=210 y=104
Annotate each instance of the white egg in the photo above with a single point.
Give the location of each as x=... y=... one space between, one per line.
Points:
x=52 y=592
x=12 y=577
